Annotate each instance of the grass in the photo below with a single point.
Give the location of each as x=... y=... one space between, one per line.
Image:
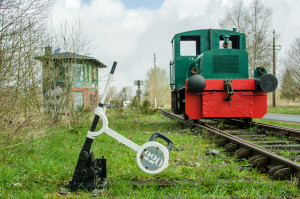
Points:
x=292 y=110
x=46 y=163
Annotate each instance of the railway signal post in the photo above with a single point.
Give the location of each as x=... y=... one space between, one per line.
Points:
x=139 y=83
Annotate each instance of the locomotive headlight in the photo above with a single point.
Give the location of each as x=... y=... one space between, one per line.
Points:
x=268 y=83
x=196 y=84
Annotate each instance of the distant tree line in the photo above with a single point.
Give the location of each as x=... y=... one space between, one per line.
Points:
x=156 y=85
x=290 y=88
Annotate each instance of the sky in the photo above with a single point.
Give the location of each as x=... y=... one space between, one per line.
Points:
x=131 y=31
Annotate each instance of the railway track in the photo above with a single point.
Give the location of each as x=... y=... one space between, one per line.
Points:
x=272 y=149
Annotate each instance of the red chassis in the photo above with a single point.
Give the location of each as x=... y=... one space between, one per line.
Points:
x=246 y=102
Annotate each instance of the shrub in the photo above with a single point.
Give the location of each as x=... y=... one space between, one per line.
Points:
x=145 y=108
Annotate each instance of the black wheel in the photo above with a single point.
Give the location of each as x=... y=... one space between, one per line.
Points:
x=246 y=124
x=196 y=121
x=185 y=116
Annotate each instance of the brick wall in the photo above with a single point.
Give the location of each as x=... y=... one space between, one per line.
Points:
x=90 y=96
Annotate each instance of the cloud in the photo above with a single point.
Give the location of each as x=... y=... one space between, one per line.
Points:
x=72 y=3
x=132 y=36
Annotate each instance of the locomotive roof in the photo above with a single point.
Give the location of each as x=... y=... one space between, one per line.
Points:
x=204 y=31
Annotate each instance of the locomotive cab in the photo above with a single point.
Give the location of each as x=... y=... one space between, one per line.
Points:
x=210 y=78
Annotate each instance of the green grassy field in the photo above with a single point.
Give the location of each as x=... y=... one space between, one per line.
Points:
x=292 y=110
x=47 y=161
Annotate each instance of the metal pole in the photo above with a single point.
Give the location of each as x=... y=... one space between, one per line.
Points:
x=274 y=69
x=108 y=83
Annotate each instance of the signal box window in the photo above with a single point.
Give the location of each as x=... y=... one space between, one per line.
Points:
x=189 y=45
x=234 y=42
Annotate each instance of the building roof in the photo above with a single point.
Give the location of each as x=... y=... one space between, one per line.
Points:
x=72 y=57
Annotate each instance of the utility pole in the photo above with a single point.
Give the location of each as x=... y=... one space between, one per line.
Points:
x=274 y=66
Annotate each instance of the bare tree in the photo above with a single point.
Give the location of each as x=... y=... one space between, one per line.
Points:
x=71 y=37
x=22 y=25
x=126 y=93
x=235 y=17
x=111 y=94
x=255 y=21
x=290 y=88
x=292 y=60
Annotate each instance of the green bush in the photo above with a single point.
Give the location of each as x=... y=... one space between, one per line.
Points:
x=135 y=103
x=145 y=108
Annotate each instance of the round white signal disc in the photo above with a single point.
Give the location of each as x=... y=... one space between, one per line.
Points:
x=153 y=157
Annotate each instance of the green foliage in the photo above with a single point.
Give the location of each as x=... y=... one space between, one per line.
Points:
x=134 y=102
x=120 y=109
x=292 y=110
x=146 y=107
x=289 y=87
x=157 y=85
x=114 y=101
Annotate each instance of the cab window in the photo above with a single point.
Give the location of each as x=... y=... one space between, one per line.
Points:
x=189 y=45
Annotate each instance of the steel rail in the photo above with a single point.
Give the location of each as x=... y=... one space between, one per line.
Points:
x=273 y=159
x=288 y=132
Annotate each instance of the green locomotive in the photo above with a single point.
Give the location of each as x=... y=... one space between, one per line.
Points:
x=209 y=76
